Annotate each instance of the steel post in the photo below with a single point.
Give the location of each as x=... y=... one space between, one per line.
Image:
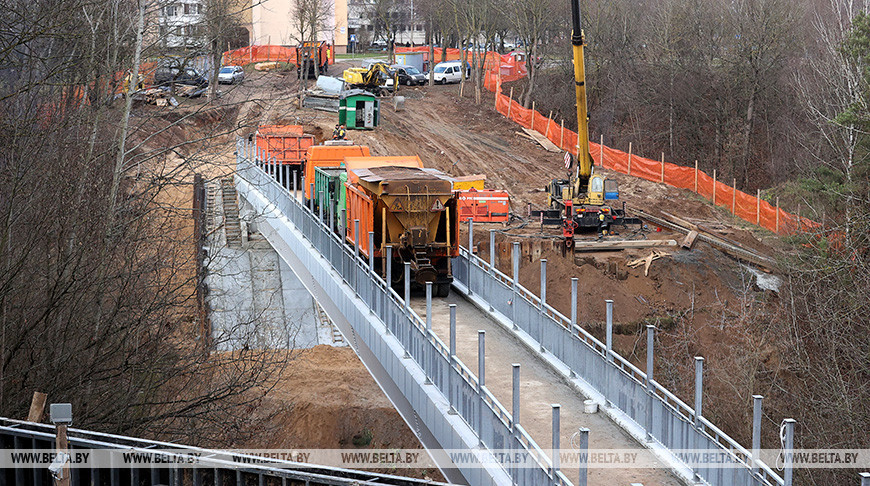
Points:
x=609 y=329
x=515 y=409
x=371 y=281
x=295 y=193
x=573 y=303
x=543 y=284
x=389 y=276
x=428 y=308
x=492 y=251
x=481 y=382
x=788 y=452
x=650 y=368
x=865 y=478
x=452 y=358
x=515 y=257
x=699 y=388
x=583 y=449
x=556 y=431
x=311 y=200
x=756 y=432
x=302 y=188
x=407 y=280
x=470 y=253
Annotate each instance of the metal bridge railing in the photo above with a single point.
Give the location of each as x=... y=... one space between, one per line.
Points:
x=664 y=417
x=491 y=422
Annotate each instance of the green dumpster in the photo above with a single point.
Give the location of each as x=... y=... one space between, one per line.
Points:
x=358 y=110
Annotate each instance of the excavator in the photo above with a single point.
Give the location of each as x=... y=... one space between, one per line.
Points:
x=373 y=79
x=583 y=201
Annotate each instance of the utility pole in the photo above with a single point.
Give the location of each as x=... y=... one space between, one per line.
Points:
x=61 y=416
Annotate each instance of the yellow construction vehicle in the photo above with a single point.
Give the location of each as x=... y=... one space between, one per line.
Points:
x=376 y=78
x=582 y=202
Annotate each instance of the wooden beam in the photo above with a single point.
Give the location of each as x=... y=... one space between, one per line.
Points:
x=689 y=240
x=37 y=407
x=544 y=141
x=620 y=244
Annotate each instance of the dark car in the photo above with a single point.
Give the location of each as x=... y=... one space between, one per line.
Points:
x=408 y=75
x=165 y=76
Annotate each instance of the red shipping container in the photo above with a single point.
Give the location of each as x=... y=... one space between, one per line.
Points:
x=485 y=206
x=287 y=143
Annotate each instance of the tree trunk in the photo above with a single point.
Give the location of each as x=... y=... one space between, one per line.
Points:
x=747 y=133
x=431 y=55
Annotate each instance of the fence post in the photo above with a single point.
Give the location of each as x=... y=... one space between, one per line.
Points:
x=734 y=196
x=510 y=101
x=788 y=452
x=601 y=152
x=515 y=409
x=311 y=200
x=756 y=432
x=533 y=115
x=492 y=251
x=515 y=256
x=556 y=429
x=714 y=187
x=696 y=177
x=452 y=358
x=629 y=158
x=583 y=449
x=371 y=269
x=663 y=167
x=295 y=193
x=562 y=135
x=481 y=382
x=609 y=329
x=543 y=284
x=777 y=215
x=758 y=206
x=574 y=281
x=408 y=306
x=355 y=241
x=650 y=368
x=428 y=308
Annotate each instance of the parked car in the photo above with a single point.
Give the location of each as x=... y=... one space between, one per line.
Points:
x=450 y=72
x=408 y=75
x=165 y=76
x=231 y=75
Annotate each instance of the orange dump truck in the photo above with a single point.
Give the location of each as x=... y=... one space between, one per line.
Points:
x=408 y=208
x=287 y=143
x=328 y=155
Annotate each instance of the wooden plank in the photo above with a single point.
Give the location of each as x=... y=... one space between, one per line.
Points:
x=689 y=240
x=544 y=141
x=620 y=244
x=37 y=407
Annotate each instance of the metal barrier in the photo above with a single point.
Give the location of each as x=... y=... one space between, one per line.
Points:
x=664 y=417
x=380 y=317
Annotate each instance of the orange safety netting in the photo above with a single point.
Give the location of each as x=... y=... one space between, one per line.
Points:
x=743 y=205
x=252 y=54
x=494 y=64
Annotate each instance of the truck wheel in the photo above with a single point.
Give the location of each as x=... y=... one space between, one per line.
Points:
x=442 y=290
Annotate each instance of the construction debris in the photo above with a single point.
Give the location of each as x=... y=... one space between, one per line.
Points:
x=647 y=261
x=689 y=240
x=266 y=66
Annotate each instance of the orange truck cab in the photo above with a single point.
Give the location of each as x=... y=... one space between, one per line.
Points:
x=325 y=156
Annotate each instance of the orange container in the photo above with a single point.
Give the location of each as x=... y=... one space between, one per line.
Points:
x=287 y=143
x=329 y=156
x=359 y=206
x=487 y=206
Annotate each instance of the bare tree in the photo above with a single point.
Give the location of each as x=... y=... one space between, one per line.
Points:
x=310 y=18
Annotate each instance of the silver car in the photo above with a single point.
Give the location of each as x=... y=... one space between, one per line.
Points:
x=231 y=75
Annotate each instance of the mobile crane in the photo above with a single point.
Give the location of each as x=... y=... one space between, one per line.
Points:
x=583 y=201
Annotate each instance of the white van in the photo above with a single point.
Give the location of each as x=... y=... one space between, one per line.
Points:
x=450 y=72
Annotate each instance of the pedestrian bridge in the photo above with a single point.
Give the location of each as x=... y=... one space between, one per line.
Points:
x=451 y=403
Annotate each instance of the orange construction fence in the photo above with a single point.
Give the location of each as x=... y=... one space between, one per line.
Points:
x=745 y=206
x=252 y=54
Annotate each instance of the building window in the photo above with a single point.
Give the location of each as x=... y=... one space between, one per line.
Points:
x=188 y=8
x=199 y=8
x=170 y=11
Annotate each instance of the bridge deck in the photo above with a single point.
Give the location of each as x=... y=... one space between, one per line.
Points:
x=540 y=387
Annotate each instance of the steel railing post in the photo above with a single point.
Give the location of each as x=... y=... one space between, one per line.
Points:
x=408 y=324
x=470 y=253
x=311 y=199
x=515 y=413
x=543 y=284
x=428 y=308
x=699 y=398
x=295 y=191
x=756 y=432
x=371 y=271
x=609 y=330
x=355 y=262
x=865 y=478
x=302 y=188
x=556 y=430
x=451 y=359
x=515 y=260
x=788 y=452
x=492 y=251
x=573 y=303
x=650 y=368
x=481 y=382
x=583 y=446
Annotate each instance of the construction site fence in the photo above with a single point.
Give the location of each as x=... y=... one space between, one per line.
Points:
x=510 y=67
x=391 y=313
x=652 y=408
x=253 y=54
